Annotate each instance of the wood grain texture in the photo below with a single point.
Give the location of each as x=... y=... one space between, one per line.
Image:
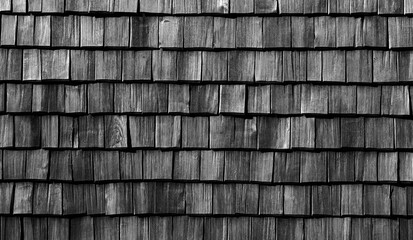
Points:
x=368 y=99
x=327 y=133
x=164 y=65
x=171 y=32
x=302 y=132
x=271 y=200
x=25 y=29
x=27 y=131
x=259 y=99
x=290 y=228
x=403 y=133
x=352 y=132
x=186 y=165
x=77 y=6
x=50 y=131
x=387 y=167
x=144 y=31
x=187 y=7
x=274 y=133
x=157 y=164
x=8 y=30
x=11 y=62
x=75 y=98
x=189 y=66
x=405 y=167
x=116 y=32
x=142 y=131
x=385 y=66
x=302 y=32
x=55 y=64
x=212 y=165
x=291 y=6
x=266 y=6
x=14 y=164
x=23 y=198
x=314 y=99
x=18 y=97
x=91 y=31
x=376 y=199
x=179 y=98
x=334 y=69
x=359 y=67
x=342 y=99
x=313 y=167
x=395 y=100
x=379 y=139
x=297 y=200
x=91 y=131
x=214 y=66
x=314 y=66
x=277 y=32
x=351 y=199
x=168 y=132
x=100 y=98
x=159 y=6
x=130 y=164
x=224 y=31
x=116 y=131
x=6 y=131
x=269 y=66
x=325 y=32
x=195 y=132
x=241 y=66
x=285 y=99
x=60 y=165
x=366 y=166
x=198 y=32
x=232 y=99
x=65 y=31
x=203 y=98
x=82 y=65
x=48 y=98
x=128 y=98
x=364 y=6
x=108 y=65
x=155 y=96
x=249 y=32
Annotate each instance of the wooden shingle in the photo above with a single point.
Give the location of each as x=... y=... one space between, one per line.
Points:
x=50 y=131
x=60 y=165
x=91 y=31
x=249 y=32
x=395 y=100
x=68 y=132
x=18 y=97
x=379 y=139
x=8 y=30
x=116 y=133
x=128 y=98
x=157 y=165
x=65 y=31
x=144 y=31
x=314 y=66
x=118 y=198
x=189 y=228
x=186 y=7
x=11 y=62
x=271 y=200
x=159 y=6
x=274 y=133
x=224 y=31
x=136 y=65
x=5 y=6
x=23 y=193
x=302 y=132
x=374 y=32
x=6 y=131
x=366 y=166
x=215 y=6
x=189 y=66
x=198 y=32
x=212 y=165
x=50 y=6
x=297 y=200
x=14 y=164
x=266 y=6
x=302 y=32
x=203 y=98
x=376 y=200
x=261 y=166
x=171 y=32
x=276 y=32
x=25 y=28
x=168 y=131
x=81 y=228
x=106 y=228
x=325 y=32
x=6 y=190
x=394 y=7
x=269 y=66
x=314 y=99
x=241 y=66
x=160 y=227
x=221 y=131
x=318 y=6
x=2 y=100
x=368 y=99
x=291 y=6
x=325 y=200
x=337 y=6
x=95 y=199
x=405 y=166
x=242 y=6
x=351 y=199
x=128 y=6
x=91 y=131
x=19 y=6
x=130 y=164
x=313 y=167
x=385 y=66
x=327 y=133
x=237 y=166
x=259 y=99
x=405 y=62
x=108 y=65
x=214 y=66
x=128 y=229
x=156 y=99
x=341 y=166
x=77 y=6
x=75 y=98
x=399 y=32
x=195 y=132
x=142 y=131
x=289 y=228
x=100 y=97
x=55 y=64
x=82 y=65
x=238 y=228
x=99 y=6
x=363 y=6
x=223 y=199
x=246 y=196
x=352 y=132
x=116 y=32
x=179 y=98
x=346 y=29
x=27 y=131
x=359 y=67
x=387 y=165
x=285 y=99
x=334 y=69
x=58 y=228
x=164 y=65
x=342 y=100
x=232 y=99
x=198 y=198
x=42 y=30
x=48 y=98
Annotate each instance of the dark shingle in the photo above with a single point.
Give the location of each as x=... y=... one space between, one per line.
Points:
x=50 y=131
x=212 y=166
x=237 y=166
x=195 y=132
x=108 y=65
x=395 y=100
x=130 y=164
x=214 y=66
x=164 y=65
x=157 y=164
x=189 y=66
x=232 y=99
x=19 y=97
x=142 y=131
x=24 y=193
x=241 y=66
x=342 y=100
x=327 y=133
x=198 y=198
x=249 y=32
x=144 y=31
x=271 y=200
x=259 y=99
x=368 y=99
x=302 y=32
x=186 y=165
x=266 y=6
x=274 y=133
x=55 y=64
x=91 y=131
x=302 y=132
x=203 y=98
x=341 y=166
x=224 y=32
x=75 y=98
x=65 y=31
x=325 y=32
x=25 y=28
x=168 y=131
x=297 y=200
x=376 y=200
x=286 y=99
x=187 y=228
x=82 y=65
x=351 y=199
x=198 y=32
x=27 y=131
x=269 y=66
x=387 y=166
x=313 y=167
x=334 y=66
x=215 y=6
x=116 y=31
x=366 y=167
x=276 y=32
x=100 y=98
x=118 y=198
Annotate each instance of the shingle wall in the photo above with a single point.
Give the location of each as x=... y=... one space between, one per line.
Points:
x=206 y=119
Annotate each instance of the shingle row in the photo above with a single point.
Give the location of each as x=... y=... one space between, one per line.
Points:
x=219 y=228
x=201 y=199
x=211 y=6
x=358 y=66
x=206 y=32
x=211 y=99
x=216 y=132
x=207 y=166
